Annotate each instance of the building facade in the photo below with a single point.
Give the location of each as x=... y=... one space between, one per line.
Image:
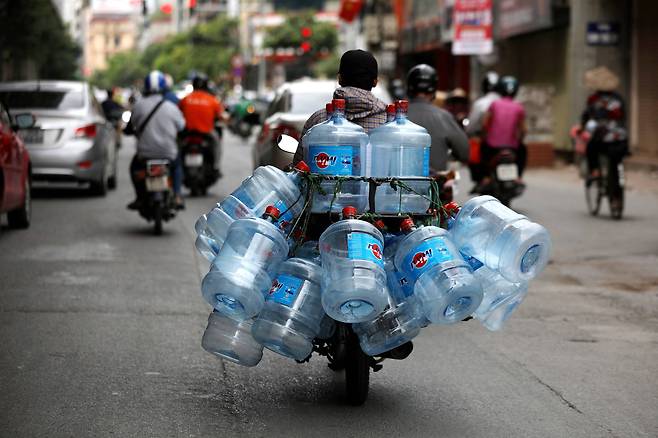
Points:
x=108 y=34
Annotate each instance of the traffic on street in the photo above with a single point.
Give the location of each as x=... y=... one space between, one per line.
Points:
x=253 y=218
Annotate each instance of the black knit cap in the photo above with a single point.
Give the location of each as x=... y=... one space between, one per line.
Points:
x=358 y=68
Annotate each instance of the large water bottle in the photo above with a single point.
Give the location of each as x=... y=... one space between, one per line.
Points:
x=338 y=148
x=292 y=314
x=204 y=243
x=502 y=239
x=444 y=283
x=354 y=281
x=399 y=324
x=401 y=148
x=241 y=274
x=501 y=297
x=231 y=339
x=267 y=186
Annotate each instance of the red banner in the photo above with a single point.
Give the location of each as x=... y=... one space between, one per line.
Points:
x=473 y=25
x=349 y=9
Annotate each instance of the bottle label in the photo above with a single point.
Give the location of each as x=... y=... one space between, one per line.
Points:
x=429 y=253
x=341 y=160
x=285 y=290
x=426 y=162
x=474 y=263
x=363 y=246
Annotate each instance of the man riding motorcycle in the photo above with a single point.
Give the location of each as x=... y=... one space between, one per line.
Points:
x=201 y=109
x=156 y=122
x=447 y=136
x=475 y=119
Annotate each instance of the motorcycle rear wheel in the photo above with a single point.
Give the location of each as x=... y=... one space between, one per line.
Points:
x=357 y=373
x=157 y=220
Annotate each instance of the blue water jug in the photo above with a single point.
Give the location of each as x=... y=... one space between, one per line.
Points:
x=231 y=339
x=401 y=148
x=502 y=239
x=444 y=283
x=337 y=148
x=241 y=274
x=354 y=280
x=292 y=314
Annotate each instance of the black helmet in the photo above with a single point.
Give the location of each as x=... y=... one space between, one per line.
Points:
x=421 y=79
x=200 y=82
x=508 y=86
x=489 y=82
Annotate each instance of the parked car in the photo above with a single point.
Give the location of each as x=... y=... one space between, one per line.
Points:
x=72 y=142
x=15 y=182
x=294 y=102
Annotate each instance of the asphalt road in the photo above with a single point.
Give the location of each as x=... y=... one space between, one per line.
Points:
x=101 y=324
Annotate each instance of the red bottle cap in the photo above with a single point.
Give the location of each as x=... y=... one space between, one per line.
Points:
x=452 y=207
x=403 y=105
x=390 y=109
x=330 y=108
x=302 y=167
x=349 y=212
x=338 y=104
x=407 y=225
x=272 y=211
x=379 y=224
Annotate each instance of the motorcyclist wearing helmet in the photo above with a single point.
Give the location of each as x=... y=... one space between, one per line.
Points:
x=475 y=119
x=156 y=122
x=357 y=76
x=504 y=123
x=201 y=109
x=447 y=136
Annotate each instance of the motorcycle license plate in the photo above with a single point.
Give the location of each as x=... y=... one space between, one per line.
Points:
x=507 y=172
x=157 y=183
x=193 y=160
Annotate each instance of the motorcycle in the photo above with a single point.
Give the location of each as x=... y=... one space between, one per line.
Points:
x=243 y=118
x=197 y=152
x=503 y=177
x=156 y=193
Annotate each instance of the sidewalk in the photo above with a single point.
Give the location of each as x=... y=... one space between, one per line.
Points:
x=642 y=162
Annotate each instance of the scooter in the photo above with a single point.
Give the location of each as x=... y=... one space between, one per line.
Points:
x=156 y=193
x=198 y=159
x=503 y=180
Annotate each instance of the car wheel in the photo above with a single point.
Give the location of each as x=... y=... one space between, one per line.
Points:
x=99 y=188
x=20 y=218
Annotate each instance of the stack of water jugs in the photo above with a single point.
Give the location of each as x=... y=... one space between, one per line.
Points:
x=387 y=283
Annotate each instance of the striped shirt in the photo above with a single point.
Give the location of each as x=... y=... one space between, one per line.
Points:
x=361 y=107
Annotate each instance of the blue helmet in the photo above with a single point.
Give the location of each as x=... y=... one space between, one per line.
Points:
x=155 y=82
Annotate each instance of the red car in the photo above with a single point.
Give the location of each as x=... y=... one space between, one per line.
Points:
x=15 y=181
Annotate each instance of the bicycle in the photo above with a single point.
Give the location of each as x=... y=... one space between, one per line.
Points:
x=610 y=184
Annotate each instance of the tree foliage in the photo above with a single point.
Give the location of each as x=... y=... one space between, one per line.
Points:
x=31 y=31
x=324 y=37
x=206 y=48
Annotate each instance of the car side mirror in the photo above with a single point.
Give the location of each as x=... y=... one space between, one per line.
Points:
x=287 y=144
x=24 y=121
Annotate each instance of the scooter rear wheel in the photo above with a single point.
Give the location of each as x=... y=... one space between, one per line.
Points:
x=157 y=220
x=357 y=373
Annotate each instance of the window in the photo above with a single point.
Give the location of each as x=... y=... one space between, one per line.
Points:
x=53 y=98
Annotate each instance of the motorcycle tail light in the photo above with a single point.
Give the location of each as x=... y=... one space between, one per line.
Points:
x=87 y=131
x=194 y=140
x=157 y=170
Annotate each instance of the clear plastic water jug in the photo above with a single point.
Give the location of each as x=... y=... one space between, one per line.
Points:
x=444 y=283
x=231 y=339
x=501 y=297
x=241 y=274
x=327 y=327
x=502 y=239
x=204 y=243
x=354 y=280
x=292 y=314
x=398 y=324
x=337 y=148
x=401 y=148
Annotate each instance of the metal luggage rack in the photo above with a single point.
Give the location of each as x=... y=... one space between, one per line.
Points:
x=313 y=185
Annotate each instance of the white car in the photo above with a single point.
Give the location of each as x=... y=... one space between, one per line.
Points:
x=294 y=102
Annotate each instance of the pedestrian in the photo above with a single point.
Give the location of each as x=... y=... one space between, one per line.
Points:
x=447 y=137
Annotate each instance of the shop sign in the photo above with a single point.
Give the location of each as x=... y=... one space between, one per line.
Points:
x=515 y=17
x=603 y=33
x=472 y=22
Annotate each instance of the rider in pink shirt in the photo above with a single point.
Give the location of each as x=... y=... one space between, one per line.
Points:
x=505 y=122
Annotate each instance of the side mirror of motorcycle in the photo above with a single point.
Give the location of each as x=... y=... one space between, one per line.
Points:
x=287 y=144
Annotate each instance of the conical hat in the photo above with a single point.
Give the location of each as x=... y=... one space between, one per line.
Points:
x=601 y=78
